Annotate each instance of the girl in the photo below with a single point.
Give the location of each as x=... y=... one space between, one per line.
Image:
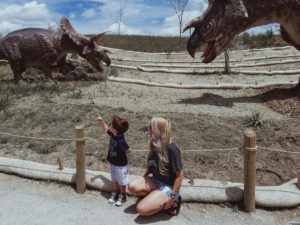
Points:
x=162 y=189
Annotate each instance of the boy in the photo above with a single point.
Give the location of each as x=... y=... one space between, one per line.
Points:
x=117 y=157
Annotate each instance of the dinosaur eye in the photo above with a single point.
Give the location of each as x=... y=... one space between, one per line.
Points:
x=209 y=25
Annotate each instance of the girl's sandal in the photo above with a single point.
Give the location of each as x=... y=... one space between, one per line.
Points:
x=174 y=210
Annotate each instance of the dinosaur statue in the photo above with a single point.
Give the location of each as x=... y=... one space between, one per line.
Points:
x=34 y=47
x=224 y=19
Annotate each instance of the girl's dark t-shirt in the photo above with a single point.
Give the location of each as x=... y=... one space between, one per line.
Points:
x=172 y=166
x=116 y=150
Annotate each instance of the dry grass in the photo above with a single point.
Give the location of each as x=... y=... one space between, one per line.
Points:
x=171 y=44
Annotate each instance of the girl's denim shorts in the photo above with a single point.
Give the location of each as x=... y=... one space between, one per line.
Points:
x=165 y=188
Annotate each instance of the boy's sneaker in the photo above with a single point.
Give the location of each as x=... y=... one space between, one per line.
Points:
x=121 y=199
x=113 y=197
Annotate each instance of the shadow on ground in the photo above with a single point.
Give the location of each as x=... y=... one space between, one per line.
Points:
x=269 y=95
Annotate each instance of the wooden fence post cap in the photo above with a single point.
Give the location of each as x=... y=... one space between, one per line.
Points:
x=249 y=132
x=80 y=126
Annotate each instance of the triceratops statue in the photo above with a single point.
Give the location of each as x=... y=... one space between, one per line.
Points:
x=35 y=47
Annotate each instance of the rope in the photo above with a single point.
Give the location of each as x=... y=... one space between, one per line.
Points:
x=53 y=139
x=49 y=139
x=277 y=150
x=91 y=139
x=195 y=150
x=250 y=149
x=144 y=150
x=210 y=150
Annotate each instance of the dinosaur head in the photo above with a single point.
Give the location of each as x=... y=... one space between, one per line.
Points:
x=95 y=54
x=216 y=27
x=86 y=47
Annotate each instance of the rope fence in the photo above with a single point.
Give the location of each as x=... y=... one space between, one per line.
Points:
x=250 y=149
x=147 y=150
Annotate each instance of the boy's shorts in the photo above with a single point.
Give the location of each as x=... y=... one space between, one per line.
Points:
x=167 y=189
x=119 y=174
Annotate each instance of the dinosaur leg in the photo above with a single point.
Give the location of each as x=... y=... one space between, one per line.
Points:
x=64 y=66
x=17 y=70
x=47 y=72
x=286 y=37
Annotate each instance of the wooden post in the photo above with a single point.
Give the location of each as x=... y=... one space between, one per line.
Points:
x=249 y=169
x=191 y=178
x=80 y=159
x=60 y=163
x=298 y=177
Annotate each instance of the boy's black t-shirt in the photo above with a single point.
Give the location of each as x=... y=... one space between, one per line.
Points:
x=172 y=166
x=116 y=150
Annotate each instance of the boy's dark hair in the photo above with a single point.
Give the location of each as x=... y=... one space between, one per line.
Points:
x=120 y=124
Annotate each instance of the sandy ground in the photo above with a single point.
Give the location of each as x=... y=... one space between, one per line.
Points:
x=30 y=202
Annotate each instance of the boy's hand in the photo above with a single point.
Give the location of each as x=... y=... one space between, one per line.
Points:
x=102 y=123
x=99 y=118
x=128 y=151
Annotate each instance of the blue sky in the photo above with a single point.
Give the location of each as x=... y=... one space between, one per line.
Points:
x=146 y=17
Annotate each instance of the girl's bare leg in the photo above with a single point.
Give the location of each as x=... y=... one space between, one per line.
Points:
x=141 y=186
x=152 y=203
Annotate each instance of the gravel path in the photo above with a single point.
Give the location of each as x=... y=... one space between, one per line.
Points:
x=29 y=202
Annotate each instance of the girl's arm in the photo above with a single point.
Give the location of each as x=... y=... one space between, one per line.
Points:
x=178 y=181
x=177 y=184
x=146 y=173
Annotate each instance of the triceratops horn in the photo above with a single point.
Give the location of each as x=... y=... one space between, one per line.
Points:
x=192 y=23
x=70 y=31
x=97 y=36
x=107 y=51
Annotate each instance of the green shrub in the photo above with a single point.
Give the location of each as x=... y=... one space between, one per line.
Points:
x=254 y=120
x=4 y=97
x=113 y=71
x=4 y=102
x=246 y=38
x=261 y=40
x=89 y=69
x=33 y=71
x=168 y=53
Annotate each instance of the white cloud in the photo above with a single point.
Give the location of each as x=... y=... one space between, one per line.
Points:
x=72 y=16
x=31 y=14
x=113 y=9
x=6 y=27
x=199 y=5
x=114 y=28
x=92 y=16
x=88 y=13
x=171 y=24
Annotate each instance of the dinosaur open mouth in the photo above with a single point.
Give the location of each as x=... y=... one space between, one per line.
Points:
x=208 y=50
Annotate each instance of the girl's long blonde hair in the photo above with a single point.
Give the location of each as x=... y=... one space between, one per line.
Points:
x=159 y=140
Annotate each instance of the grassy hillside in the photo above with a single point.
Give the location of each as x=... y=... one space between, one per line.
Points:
x=171 y=44
x=143 y=43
